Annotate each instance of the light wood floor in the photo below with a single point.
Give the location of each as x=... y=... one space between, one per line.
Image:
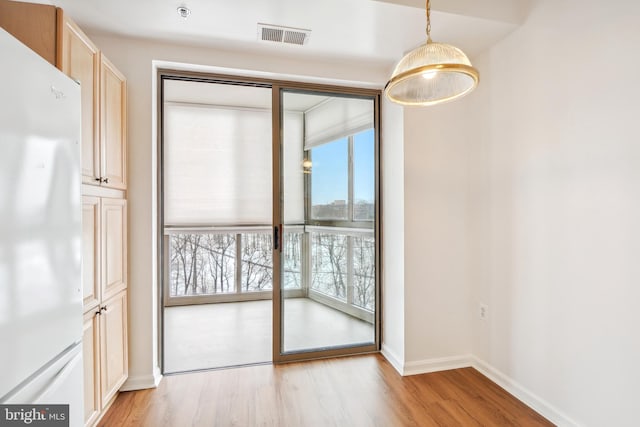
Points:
x=352 y=391
x=219 y=335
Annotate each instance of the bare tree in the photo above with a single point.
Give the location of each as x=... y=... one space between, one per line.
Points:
x=221 y=258
x=292 y=263
x=364 y=271
x=175 y=265
x=181 y=247
x=330 y=263
x=257 y=271
x=193 y=246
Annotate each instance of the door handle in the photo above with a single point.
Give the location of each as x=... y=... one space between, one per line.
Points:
x=276 y=237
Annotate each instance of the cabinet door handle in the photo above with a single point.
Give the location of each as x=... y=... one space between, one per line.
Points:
x=99 y=179
x=98 y=313
x=106 y=180
x=103 y=308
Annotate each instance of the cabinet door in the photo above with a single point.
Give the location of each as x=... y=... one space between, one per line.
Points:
x=91 y=360
x=79 y=59
x=113 y=126
x=114 y=246
x=113 y=338
x=90 y=251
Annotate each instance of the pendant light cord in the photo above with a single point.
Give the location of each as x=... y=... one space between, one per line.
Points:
x=428 y=8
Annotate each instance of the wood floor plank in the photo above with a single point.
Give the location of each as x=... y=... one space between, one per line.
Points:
x=351 y=391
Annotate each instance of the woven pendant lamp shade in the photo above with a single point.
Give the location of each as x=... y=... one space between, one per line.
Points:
x=431 y=74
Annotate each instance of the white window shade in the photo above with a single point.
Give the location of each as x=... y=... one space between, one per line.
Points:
x=217 y=165
x=335 y=119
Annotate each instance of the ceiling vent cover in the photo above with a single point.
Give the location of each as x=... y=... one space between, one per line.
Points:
x=279 y=34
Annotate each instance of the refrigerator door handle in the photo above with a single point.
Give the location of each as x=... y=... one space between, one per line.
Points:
x=60 y=377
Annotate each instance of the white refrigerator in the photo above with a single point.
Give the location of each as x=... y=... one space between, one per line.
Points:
x=40 y=233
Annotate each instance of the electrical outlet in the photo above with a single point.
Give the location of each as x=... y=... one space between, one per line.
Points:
x=483 y=311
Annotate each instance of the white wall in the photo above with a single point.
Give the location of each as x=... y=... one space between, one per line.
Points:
x=134 y=58
x=525 y=196
x=555 y=208
x=437 y=287
x=392 y=187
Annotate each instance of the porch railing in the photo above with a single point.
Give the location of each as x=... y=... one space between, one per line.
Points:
x=225 y=264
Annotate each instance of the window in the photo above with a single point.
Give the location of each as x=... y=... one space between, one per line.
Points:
x=342 y=216
x=364 y=176
x=330 y=180
x=217 y=190
x=343 y=179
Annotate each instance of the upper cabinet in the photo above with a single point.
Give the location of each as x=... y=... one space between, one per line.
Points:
x=52 y=34
x=104 y=99
x=113 y=138
x=79 y=59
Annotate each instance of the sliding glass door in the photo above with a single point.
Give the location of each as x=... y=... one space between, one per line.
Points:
x=328 y=295
x=269 y=221
x=217 y=190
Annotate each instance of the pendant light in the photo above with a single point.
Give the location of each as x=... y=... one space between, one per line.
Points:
x=431 y=74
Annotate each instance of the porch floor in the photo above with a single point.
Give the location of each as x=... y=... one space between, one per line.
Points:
x=228 y=334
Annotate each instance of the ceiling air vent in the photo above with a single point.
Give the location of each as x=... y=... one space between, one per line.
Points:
x=279 y=34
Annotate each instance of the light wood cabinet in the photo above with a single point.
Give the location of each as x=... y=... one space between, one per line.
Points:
x=35 y=25
x=104 y=246
x=113 y=346
x=113 y=138
x=91 y=360
x=79 y=58
x=105 y=295
x=104 y=354
x=104 y=99
x=91 y=251
x=114 y=246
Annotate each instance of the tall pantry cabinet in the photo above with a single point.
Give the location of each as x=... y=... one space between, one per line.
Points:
x=104 y=217
x=53 y=35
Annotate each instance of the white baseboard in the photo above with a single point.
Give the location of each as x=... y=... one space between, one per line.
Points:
x=392 y=358
x=143 y=381
x=435 y=365
x=530 y=399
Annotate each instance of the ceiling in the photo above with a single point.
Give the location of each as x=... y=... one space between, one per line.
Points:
x=368 y=30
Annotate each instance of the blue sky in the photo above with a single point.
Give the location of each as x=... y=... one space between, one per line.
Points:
x=330 y=170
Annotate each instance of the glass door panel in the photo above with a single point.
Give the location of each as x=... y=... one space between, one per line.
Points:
x=216 y=181
x=328 y=256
